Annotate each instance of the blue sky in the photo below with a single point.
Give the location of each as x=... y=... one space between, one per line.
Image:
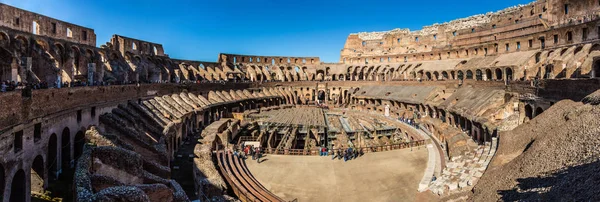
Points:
x=200 y=29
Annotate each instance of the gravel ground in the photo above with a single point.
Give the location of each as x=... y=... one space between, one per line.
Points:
x=554 y=157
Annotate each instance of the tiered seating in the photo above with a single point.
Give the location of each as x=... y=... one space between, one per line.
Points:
x=244 y=185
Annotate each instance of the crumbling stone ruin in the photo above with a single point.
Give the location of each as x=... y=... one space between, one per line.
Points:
x=505 y=103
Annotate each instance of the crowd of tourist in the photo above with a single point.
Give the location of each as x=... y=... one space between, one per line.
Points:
x=410 y=122
x=244 y=151
x=346 y=154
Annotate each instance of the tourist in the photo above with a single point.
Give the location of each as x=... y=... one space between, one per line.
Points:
x=258 y=155
x=333 y=154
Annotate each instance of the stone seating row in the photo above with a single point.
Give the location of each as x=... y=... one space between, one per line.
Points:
x=243 y=183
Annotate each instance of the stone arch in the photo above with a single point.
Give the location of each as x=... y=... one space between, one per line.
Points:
x=509 y=74
x=4 y=39
x=549 y=69
x=66 y=148
x=22 y=42
x=445 y=75
x=499 y=74
x=460 y=75
x=436 y=75
x=528 y=112
x=469 y=74
x=488 y=74
x=51 y=156
x=18 y=187
x=478 y=75
x=428 y=75
x=37 y=174
x=596 y=69
x=42 y=44
x=538 y=111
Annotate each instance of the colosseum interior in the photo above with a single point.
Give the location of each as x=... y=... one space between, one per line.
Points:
x=498 y=106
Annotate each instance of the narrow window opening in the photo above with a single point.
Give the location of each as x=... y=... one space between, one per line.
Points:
x=54 y=28
x=530 y=43
x=93 y=112
x=37 y=132
x=35 y=29
x=584 y=34
x=18 y=142
x=69 y=33
x=556 y=39
x=17 y=21
x=518 y=45
x=566 y=9
x=78 y=116
x=84 y=35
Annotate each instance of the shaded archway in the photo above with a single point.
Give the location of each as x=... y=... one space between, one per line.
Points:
x=528 y=112
x=78 y=143
x=478 y=75
x=445 y=75
x=509 y=74
x=538 y=111
x=321 y=95
x=37 y=175
x=469 y=74
x=499 y=74
x=17 y=187
x=488 y=74
x=460 y=75
x=596 y=69
x=51 y=157
x=66 y=149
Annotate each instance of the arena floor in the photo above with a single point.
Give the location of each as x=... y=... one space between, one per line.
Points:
x=383 y=176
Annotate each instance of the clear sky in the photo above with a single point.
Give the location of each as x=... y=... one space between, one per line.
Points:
x=200 y=29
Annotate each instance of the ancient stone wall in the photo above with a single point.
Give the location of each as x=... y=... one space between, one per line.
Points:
x=37 y=24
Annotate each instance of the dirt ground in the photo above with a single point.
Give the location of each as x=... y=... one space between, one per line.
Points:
x=383 y=176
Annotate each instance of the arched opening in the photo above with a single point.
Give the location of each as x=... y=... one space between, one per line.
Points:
x=538 y=111
x=488 y=74
x=509 y=74
x=51 y=158
x=469 y=74
x=528 y=112
x=445 y=75
x=17 y=187
x=66 y=149
x=37 y=175
x=428 y=75
x=478 y=75
x=436 y=75
x=499 y=74
x=596 y=69
x=460 y=75
x=321 y=96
